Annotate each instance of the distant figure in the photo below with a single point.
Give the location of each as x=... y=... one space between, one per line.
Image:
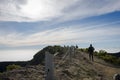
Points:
x=116 y=77
x=91 y=50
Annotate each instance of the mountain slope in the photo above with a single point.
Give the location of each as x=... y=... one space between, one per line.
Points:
x=77 y=68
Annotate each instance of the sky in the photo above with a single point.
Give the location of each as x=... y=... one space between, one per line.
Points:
x=27 y=26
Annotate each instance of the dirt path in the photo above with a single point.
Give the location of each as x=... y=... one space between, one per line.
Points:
x=107 y=69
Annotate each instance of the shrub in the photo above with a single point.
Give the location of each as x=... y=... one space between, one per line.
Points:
x=13 y=66
x=102 y=51
x=107 y=57
x=118 y=61
x=100 y=54
x=83 y=49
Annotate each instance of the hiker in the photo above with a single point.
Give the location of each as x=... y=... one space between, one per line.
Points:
x=91 y=50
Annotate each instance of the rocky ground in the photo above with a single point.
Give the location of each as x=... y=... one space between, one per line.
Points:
x=77 y=68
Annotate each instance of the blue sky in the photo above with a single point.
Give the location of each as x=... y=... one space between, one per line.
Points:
x=26 y=26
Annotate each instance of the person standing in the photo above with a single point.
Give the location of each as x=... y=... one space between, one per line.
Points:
x=91 y=51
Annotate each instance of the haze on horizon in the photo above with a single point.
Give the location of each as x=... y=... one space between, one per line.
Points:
x=26 y=26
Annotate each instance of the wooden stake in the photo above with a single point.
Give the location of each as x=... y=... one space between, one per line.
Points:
x=49 y=66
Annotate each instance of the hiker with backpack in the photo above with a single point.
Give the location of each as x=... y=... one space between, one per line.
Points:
x=91 y=50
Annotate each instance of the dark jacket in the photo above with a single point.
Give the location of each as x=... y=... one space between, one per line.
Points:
x=91 y=49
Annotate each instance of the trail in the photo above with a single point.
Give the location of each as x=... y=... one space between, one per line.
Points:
x=107 y=69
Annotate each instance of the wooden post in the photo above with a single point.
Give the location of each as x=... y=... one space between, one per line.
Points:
x=71 y=54
x=73 y=51
x=49 y=66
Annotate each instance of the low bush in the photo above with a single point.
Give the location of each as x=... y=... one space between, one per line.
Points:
x=13 y=66
x=108 y=58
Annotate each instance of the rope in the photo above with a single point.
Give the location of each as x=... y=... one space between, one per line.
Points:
x=63 y=58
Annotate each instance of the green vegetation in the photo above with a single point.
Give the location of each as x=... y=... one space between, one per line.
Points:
x=39 y=56
x=3 y=65
x=83 y=49
x=107 y=57
x=13 y=66
x=102 y=54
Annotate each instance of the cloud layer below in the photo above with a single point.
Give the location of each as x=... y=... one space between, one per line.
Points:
x=17 y=55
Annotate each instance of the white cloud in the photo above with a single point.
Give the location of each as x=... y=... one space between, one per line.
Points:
x=41 y=10
x=32 y=10
x=109 y=50
x=39 y=38
x=60 y=36
x=10 y=10
x=88 y=8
